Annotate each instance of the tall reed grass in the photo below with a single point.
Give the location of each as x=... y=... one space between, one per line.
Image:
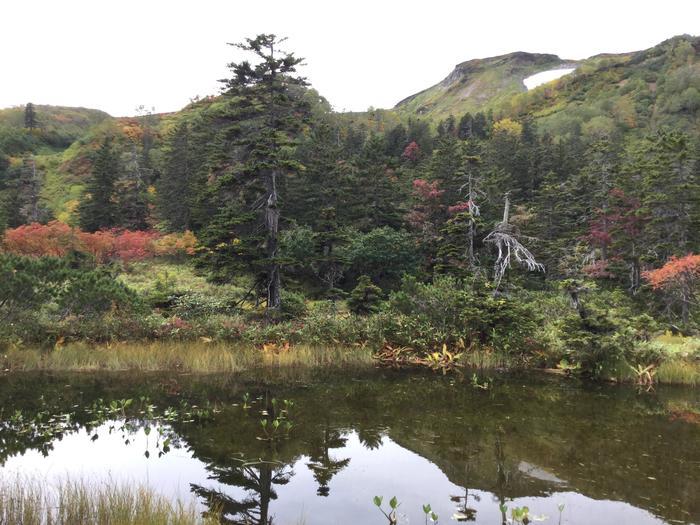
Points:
x=25 y=501
x=679 y=371
x=195 y=357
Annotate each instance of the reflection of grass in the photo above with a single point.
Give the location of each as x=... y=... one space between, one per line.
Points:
x=27 y=502
x=198 y=357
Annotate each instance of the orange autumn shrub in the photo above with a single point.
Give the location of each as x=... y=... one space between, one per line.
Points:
x=134 y=245
x=676 y=272
x=99 y=244
x=35 y=240
x=678 y=280
x=58 y=239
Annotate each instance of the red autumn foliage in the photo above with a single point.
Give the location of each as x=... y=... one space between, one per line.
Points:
x=99 y=244
x=425 y=190
x=411 y=152
x=622 y=217
x=428 y=208
x=54 y=239
x=58 y=239
x=598 y=270
x=460 y=207
x=677 y=272
x=677 y=279
x=134 y=245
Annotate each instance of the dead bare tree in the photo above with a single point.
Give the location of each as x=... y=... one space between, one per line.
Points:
x=474 y=212
x=504 y=237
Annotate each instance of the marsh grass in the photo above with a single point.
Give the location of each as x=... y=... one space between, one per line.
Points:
x=24 y=501
x=195 y=357
x=485 y=360
x=679 y=371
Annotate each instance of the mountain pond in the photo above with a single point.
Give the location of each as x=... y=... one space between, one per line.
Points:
x=291 y=447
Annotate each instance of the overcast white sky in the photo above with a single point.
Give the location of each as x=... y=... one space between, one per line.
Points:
x=114 y=55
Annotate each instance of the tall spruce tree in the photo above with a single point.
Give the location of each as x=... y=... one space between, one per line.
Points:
x=324 y=181
x=665 y=169
x=378 y=194
x=97 y=209
x=30 y=121
x=173 y=188
x=265 y=111
x=131 y=192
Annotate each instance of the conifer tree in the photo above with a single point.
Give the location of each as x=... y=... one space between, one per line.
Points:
x=317 y=197
x=173 y=189
x=378 y=194
x=324 y=183
x=97 y=209
x=4 y=193
x=465 y=128
x=30 y=121
x=665 y=167
x=131 y=193
x=447 y=165
x=265 y=110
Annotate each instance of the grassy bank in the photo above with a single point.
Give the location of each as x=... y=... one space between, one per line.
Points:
x=220 y=357
x=160 y=315
x=29 y=502
x=681 y=361
x=195 y=357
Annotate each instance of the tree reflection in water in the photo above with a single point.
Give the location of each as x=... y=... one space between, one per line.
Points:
x=638 y=457
x=257 y=479
x=321 y=463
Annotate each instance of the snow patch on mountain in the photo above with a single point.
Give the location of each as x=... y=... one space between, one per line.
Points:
x=543 y=77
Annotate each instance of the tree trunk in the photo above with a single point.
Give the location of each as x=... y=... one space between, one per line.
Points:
x=272 y=215
x=506 y=210
x=685 y=310
x=472 y=228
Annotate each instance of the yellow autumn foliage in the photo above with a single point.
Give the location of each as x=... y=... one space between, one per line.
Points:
x=509 y=126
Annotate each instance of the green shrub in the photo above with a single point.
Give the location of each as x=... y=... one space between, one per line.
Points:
x=365 y=297
x=293 y=305
x=95 y=292
x=607 y=337
x=27 y=283
x=42 y=298
x=191 y=305
x=384 y=254
x=449 y=311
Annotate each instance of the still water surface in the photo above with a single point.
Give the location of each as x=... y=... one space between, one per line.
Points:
x=609 y=455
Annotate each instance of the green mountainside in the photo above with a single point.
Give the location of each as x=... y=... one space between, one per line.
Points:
x=655 y=87
x=57 y=127
x=479 y=85
x=643 y=90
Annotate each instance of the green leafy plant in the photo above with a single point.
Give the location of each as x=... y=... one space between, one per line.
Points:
x=429 y=514
x=393 y=505
x=520 y=515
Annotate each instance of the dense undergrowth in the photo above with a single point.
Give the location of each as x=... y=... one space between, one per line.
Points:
x=154 y=315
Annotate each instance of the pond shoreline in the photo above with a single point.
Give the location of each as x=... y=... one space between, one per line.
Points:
x=198 y=357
